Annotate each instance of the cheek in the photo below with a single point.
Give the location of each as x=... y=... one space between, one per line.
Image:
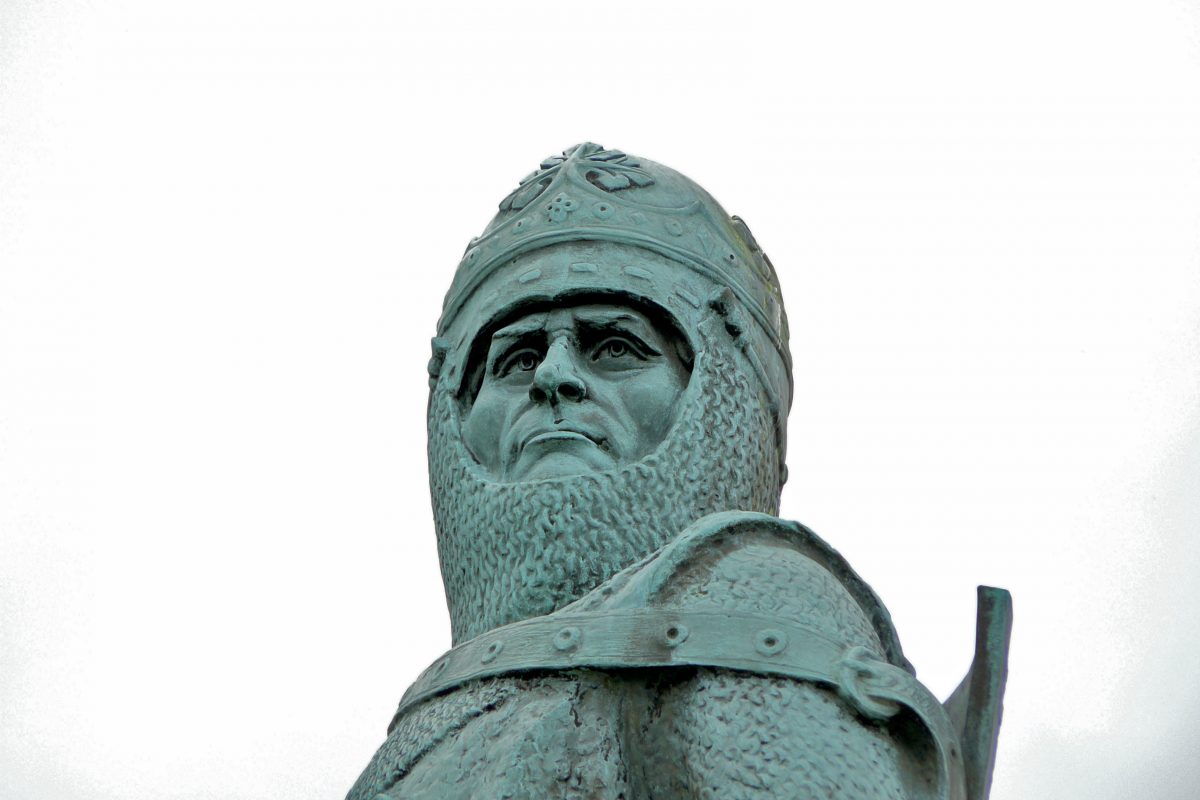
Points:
x=651 y=401
x=482 y=428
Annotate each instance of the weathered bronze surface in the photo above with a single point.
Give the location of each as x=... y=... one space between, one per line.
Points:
x=609 y=389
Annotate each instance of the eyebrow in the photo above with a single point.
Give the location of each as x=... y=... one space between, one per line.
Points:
x=599 y=318
x=600 y=321
x=520 y=328
x=593 y=320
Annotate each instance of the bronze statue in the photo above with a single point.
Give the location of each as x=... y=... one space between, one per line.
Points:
x=609 y=391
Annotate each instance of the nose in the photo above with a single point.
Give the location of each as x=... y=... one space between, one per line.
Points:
x=556 y=379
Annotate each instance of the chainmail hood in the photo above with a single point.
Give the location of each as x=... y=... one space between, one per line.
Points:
x=603 y=223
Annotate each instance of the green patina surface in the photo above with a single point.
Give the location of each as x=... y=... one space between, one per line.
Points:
x=609 y=390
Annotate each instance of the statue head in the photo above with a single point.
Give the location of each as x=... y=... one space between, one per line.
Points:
x=611 y=364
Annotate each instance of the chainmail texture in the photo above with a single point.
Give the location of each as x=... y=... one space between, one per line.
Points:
x=511 y=551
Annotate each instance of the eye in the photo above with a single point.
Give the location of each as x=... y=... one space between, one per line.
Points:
x=524 y=360
x=615 y=347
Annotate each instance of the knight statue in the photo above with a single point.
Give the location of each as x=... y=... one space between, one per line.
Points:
x=609 y=391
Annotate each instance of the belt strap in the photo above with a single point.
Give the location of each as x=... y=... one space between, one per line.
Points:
x=663 y=638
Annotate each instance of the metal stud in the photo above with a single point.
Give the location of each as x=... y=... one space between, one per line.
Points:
x=675 y=634
x=770 y=641
x=568 y=638
x=493 y=650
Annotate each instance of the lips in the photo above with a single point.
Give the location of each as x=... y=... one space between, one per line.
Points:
x=562 y=435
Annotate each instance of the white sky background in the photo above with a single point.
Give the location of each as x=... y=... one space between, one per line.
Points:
x=225 y=231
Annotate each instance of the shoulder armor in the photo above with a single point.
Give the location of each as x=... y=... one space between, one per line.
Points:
x=741 y=561
x=754 y=594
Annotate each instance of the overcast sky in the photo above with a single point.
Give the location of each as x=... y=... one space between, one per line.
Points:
x=225 y=231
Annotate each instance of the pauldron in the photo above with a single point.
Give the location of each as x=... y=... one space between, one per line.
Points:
x=654 y=616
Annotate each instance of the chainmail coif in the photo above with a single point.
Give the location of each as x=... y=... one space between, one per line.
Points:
x=511 y=551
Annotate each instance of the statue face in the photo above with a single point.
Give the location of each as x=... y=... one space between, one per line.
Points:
x=575 y=389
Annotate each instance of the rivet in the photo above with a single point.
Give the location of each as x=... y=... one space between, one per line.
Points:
x=770 y=641
x=674 y=228
x=567 y=638
x=602 y=210
x=492 y=651
x=675 y=634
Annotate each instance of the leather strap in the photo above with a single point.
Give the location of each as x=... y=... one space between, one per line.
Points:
x=662 y=638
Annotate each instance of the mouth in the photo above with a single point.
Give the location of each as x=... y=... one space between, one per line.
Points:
x=559 y=452
x=562 y=435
